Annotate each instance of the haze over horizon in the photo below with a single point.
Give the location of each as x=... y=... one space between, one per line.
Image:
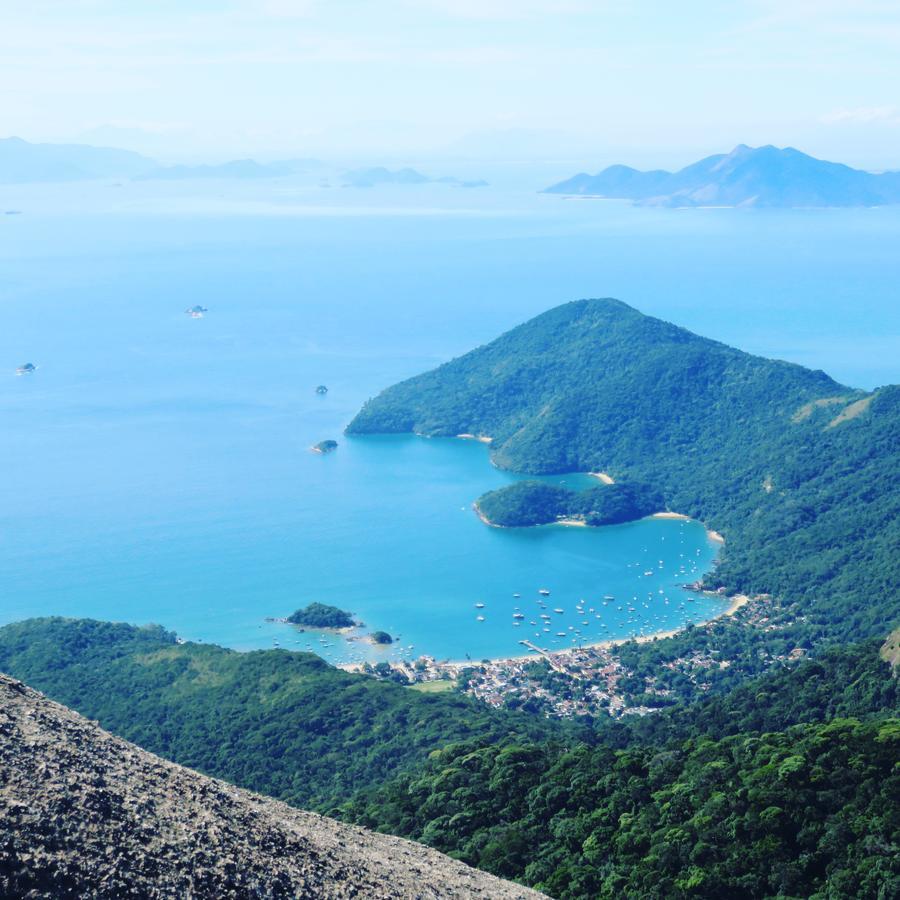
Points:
x=647 y=85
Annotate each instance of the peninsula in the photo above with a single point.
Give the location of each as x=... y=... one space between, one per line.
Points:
x=528 y=503
x=780 y=460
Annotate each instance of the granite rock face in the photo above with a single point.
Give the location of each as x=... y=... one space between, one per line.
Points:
x=85 y=814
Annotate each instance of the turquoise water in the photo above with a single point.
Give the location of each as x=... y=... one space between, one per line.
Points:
x=157 y=468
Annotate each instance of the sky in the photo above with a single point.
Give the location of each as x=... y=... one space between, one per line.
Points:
x=649 y=82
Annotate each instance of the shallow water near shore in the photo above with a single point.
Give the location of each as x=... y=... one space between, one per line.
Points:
x=157 y=468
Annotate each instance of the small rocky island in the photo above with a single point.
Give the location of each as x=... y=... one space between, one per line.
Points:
x=321 y=615
x=380 y=637
x=324 y=447
x=528 y=503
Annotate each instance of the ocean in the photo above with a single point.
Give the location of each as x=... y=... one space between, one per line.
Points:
x=157 y=467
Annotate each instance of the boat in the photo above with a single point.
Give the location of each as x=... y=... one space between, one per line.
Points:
x=321 y=389
x=479 y=606
x=544 y=592
x=27 y=369
x=608 y=597
x=558 y=610
x=196 y=312
x=518 y=616
x=516 y=596
x=479 y=618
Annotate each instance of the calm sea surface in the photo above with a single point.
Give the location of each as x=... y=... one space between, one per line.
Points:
x=156 y=468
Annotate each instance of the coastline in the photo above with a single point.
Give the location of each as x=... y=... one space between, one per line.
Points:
x=481 y=438
x=579 y=523
x=737 y=602
x=712 y=535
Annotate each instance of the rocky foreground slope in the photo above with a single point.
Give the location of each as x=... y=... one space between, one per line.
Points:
x=85 y=814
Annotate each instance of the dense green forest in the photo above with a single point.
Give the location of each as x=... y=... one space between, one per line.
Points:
x=811 y=811
x=798 y=472
x=786 y=787
x=536 y=503
x=282 y=723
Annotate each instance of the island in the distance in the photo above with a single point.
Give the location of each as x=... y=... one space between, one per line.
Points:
x=380 y=637
x=527 y=503
x=747 y=176
x=321 y=615
x=324 y=446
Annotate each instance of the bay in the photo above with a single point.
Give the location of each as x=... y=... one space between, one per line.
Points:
x=157 y=468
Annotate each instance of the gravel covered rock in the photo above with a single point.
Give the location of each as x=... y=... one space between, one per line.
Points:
x=85 y=814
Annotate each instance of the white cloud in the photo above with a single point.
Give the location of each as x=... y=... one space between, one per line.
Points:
x=863 y=115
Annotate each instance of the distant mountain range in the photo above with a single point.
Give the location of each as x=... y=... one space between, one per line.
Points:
x=748 y=176
x=22 y=162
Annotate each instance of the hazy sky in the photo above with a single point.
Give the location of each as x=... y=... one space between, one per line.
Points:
x=646 y=82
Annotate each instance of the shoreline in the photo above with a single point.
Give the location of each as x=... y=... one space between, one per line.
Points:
x=481 y=438
x=579 y=523
x=736 y=603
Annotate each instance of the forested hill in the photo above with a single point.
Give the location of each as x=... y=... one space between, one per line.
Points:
x=595 y=384
x=797 y=471
x=281 y=723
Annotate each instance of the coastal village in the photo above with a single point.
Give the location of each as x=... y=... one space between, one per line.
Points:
x=585 y=681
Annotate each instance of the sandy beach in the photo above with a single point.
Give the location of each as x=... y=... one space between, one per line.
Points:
x=482 y=438
x=670 y=515
x=606 y=479
x=736 y=602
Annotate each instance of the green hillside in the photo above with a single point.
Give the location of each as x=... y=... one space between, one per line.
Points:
x=284 y=724
x=797 y=471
